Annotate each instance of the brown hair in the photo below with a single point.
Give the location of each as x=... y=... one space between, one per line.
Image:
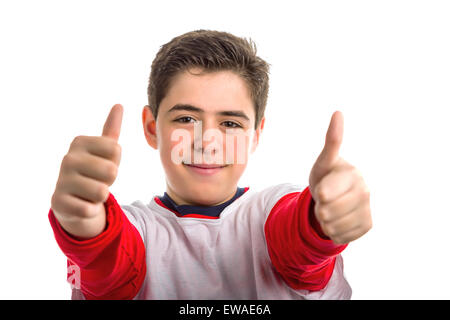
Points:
x=211 y=51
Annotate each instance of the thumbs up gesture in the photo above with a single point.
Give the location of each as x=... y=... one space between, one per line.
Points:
x=342 y=199
x=87 y=170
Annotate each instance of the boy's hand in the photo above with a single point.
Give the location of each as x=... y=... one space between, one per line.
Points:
x=90 y=166
x=342 y=199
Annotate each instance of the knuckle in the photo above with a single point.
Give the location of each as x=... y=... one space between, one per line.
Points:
x=68 y=160
x=368 y=224
x=322 y=194
x=111 y=172
x=77 y=141
x=116 y=152
x=355 y=171
x=54 y=203
x=83 y=210
x=117 y=149
x=339 y=240
x=322 y=213
x=367 y=216
x=336 y=240
x=328 y=229
x=101 y=192
x=366 y=193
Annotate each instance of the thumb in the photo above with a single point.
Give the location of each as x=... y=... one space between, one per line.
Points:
x=330 y=153
x=113 y=123
x=333 y=140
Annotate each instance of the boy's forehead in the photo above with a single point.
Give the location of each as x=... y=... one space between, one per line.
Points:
x=212 y=92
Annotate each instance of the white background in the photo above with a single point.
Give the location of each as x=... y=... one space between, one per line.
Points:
x=384 y=64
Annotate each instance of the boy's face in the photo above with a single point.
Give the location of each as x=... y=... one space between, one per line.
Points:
x=205 y=119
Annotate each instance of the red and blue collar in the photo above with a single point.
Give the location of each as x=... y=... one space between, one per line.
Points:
x=190 y=211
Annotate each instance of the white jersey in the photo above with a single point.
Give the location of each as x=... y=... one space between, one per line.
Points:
x=224 y=258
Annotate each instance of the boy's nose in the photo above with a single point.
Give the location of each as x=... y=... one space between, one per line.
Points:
x=206 y=133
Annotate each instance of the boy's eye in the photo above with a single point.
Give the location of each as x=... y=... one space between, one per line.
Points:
x=228 y=124
x=184 y=119
x=231 y=124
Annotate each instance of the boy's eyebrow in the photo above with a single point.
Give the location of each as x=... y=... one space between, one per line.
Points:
x=188 y=107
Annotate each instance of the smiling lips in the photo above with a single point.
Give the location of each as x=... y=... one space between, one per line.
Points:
x=205 y=169
x=206 y=166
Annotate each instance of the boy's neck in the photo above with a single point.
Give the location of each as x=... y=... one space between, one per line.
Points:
x=180 y=201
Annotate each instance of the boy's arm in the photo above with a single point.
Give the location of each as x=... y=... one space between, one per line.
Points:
x=112 y=264
x=303 y=249
x=301 y=253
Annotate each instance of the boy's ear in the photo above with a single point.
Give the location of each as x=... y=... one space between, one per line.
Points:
x=257 y=134
x=149 y=123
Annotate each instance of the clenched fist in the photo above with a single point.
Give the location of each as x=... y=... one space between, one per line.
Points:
x=342 y=199
x=87 y=170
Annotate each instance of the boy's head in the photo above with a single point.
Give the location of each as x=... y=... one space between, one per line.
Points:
x=209 y=89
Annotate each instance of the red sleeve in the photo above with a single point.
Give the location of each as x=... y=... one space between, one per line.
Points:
x=298 y=249
x=111 y=265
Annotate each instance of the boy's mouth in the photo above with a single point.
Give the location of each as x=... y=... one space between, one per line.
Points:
x=205 y=169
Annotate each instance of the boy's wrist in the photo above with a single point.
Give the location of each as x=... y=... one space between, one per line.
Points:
x=83 y=228
x=317 y=238
x=314 y=223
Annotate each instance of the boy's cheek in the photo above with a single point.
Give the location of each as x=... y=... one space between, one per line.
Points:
x=171 y=144
x=236 y=149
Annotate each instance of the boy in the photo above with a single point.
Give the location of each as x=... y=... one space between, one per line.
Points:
x=206 y=238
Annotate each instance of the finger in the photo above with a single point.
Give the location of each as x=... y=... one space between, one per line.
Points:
x=357 y=196
x=336 y=183
x=99 y=146
x=96 y=168
x=336 y=209
x=330 y=152
x=360 y=219
x=85 y=188
x=351 y=235
x=342 y=225
x=70 y=206
x=113 y=123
